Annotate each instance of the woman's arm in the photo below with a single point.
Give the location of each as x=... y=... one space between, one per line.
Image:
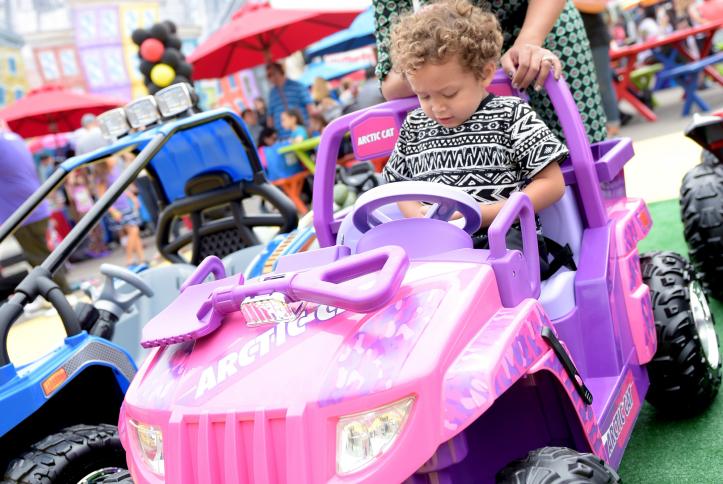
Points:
x=527 y=61
x=395 y=86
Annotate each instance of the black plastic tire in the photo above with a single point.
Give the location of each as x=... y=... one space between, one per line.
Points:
x=120 y=477
x=682 y=380
x=708 y=158
x=701 y=208
x=68 y=456
x=558 y=465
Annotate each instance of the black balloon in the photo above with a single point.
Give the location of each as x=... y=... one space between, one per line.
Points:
x=173 y=42
x=160 y=32
x=184 y=69
x=145 y=67
x=139 y=35
x=170 y=25
x=152 y=88
x=172 y=57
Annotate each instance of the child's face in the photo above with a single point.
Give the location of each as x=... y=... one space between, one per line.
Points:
x=448 y=93
x=288 y=122
x=250 y=118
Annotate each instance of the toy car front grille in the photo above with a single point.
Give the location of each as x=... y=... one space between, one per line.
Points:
x=239 y=448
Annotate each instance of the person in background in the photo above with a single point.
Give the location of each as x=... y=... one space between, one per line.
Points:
x=18 y=181
x=540 y=36
x=319 y=90
x=648 y=30
x=705 y=11
x=124 y=219
x=89 y=137
x=252 y=123
x=347 y=95
x=268 y=137
x=284 y=96
x=596 y=28
x=262 y=113
x=317 y=123
x=46 y=165
x=292 y=123
x=369 y=93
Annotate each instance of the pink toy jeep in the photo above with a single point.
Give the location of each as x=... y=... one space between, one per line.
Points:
x=397 y=352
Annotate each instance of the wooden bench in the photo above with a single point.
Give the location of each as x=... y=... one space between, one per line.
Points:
x=687 y=76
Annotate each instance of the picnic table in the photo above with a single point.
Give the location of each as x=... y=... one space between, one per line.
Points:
x=303 y=151
x=624 y=87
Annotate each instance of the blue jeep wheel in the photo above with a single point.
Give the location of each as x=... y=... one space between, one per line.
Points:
x=68 y=456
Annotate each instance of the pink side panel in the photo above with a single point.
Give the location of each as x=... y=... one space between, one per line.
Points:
x=632 y=222
x=513 y=339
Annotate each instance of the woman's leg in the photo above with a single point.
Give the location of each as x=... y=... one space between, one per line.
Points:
x=135 y=242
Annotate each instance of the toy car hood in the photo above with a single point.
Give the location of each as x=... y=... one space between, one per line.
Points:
x=326 y=354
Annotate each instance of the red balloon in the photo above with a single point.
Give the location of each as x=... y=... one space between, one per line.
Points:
x=152 y=50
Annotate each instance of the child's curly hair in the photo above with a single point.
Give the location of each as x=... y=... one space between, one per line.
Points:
x=443 y=29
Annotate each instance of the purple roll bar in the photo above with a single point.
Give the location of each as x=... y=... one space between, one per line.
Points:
x=520 y=205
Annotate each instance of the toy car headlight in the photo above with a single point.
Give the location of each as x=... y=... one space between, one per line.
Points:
x=149 y=441
x=113 y=123
x=363 y=437
x=142 y=112
x=174 y=99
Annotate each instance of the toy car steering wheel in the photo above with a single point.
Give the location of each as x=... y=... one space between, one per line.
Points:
x=110 y=299
x=445 y=201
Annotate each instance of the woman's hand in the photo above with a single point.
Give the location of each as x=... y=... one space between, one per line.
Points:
x=527 y=63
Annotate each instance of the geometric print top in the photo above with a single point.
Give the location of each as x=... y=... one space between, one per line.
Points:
x=494 y=153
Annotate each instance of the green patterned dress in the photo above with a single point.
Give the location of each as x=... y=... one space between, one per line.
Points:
x=567 y=39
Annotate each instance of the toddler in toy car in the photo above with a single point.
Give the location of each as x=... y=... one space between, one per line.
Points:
x=462 y=135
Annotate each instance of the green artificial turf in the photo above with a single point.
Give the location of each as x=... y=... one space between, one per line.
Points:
x=675 y=451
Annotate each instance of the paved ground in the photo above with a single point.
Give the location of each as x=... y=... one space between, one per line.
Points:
x=662 y=153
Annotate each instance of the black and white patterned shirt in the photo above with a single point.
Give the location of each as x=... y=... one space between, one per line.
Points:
x=491 y=155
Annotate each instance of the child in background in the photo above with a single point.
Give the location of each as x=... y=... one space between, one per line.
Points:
x=124 y=218
x=462 y=135
x=317 y=123
x=252 y=123
x=267 y=137
x=292 y=121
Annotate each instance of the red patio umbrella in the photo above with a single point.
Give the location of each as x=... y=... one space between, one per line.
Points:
x=258 y=34
x=53 y=109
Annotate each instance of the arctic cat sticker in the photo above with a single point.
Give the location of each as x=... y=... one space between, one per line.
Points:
x=626 y=405
x=260 y=346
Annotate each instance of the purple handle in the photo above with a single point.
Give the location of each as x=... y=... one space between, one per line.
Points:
x=324 y=285
x=210 y=264
x=447 y=200
x=520 y=205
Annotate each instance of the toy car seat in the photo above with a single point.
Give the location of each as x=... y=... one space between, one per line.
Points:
x=561 y=222
x=220 y=225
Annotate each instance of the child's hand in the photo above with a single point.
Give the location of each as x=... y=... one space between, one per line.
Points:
x=117 y=216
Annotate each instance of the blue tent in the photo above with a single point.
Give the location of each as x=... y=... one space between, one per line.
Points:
x=330 y=71
x=359 y=34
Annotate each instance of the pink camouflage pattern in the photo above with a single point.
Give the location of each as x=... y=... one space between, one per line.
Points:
x=513 y=339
